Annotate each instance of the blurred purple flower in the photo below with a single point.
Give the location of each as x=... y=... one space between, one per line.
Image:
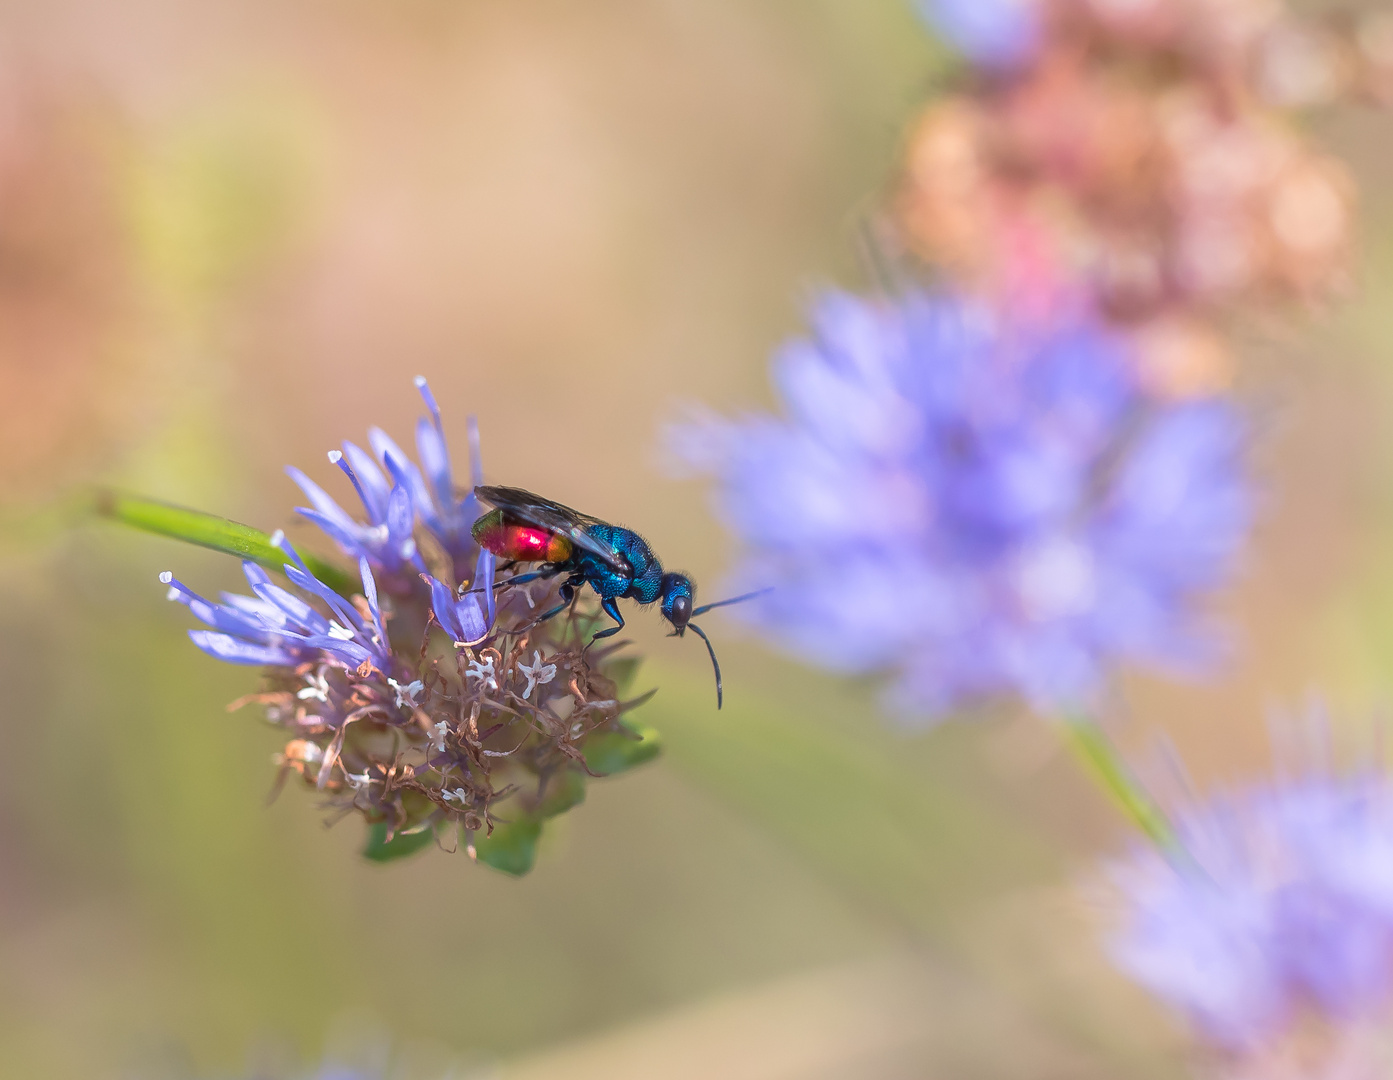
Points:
x=395 y=493
x=994 y=33
x=975 y=509
x=1284 y=907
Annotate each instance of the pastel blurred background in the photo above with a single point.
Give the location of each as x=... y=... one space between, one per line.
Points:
x=231 y=233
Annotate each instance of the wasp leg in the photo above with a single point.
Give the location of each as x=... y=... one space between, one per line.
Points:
x=567 y=594
x=611 y=607
x=522 y=579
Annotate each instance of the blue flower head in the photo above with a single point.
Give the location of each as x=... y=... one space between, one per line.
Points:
x=414 y=692
x=1281 y=910
x=974 y=510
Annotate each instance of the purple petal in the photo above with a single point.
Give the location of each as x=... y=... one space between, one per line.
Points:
x=345 y=611
x=428 y=397
x=476 y=461
x=255 y=573
x=400 y=520
x=483 y=578
x=301 y=615
x=375 y=485
x=265 y=616
x=470 y=616
x=321 y=500
x=350 y=652
x=370 y=594
x=234 y=651
x=402 y=468
x=435 y=464
x=443 y=604
x=352 y=540
x=228 y=620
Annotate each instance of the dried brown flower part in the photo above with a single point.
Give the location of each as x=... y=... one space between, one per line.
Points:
x=498 y=736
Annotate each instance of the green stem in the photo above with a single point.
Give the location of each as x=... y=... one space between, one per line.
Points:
x=211 y=531
x=1101 y=759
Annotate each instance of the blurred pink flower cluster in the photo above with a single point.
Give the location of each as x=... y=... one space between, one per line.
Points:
x=1141 y=156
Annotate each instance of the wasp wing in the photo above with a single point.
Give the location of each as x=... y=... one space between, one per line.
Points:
x=546 y=514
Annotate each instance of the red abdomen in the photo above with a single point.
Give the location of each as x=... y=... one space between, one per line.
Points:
x=509 y=539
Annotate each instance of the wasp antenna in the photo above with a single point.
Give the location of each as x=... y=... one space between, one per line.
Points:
x=733 y=600
x=702 y=634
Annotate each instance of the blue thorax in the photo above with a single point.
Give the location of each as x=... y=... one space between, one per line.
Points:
x=646 y=584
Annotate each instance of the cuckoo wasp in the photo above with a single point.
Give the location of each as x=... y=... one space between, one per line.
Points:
x=616 y=562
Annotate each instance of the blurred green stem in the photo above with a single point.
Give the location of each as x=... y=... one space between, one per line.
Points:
x=211 y=531
x=1102 y=761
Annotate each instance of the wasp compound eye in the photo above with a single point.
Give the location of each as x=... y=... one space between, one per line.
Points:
x=677 y=593
x=681 y=610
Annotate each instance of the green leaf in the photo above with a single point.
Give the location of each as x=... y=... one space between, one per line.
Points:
x=614 y=751
x=512 y=848
x=211 y=531
x=623 y=672
x=380 y=849
x=562 y=792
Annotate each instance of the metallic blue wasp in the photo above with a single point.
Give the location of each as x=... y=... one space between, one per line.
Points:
x=616 y=562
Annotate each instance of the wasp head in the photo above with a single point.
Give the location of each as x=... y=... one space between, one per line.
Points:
x=678 y=594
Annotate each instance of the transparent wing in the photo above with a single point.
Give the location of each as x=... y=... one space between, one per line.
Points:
x=545 y=514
